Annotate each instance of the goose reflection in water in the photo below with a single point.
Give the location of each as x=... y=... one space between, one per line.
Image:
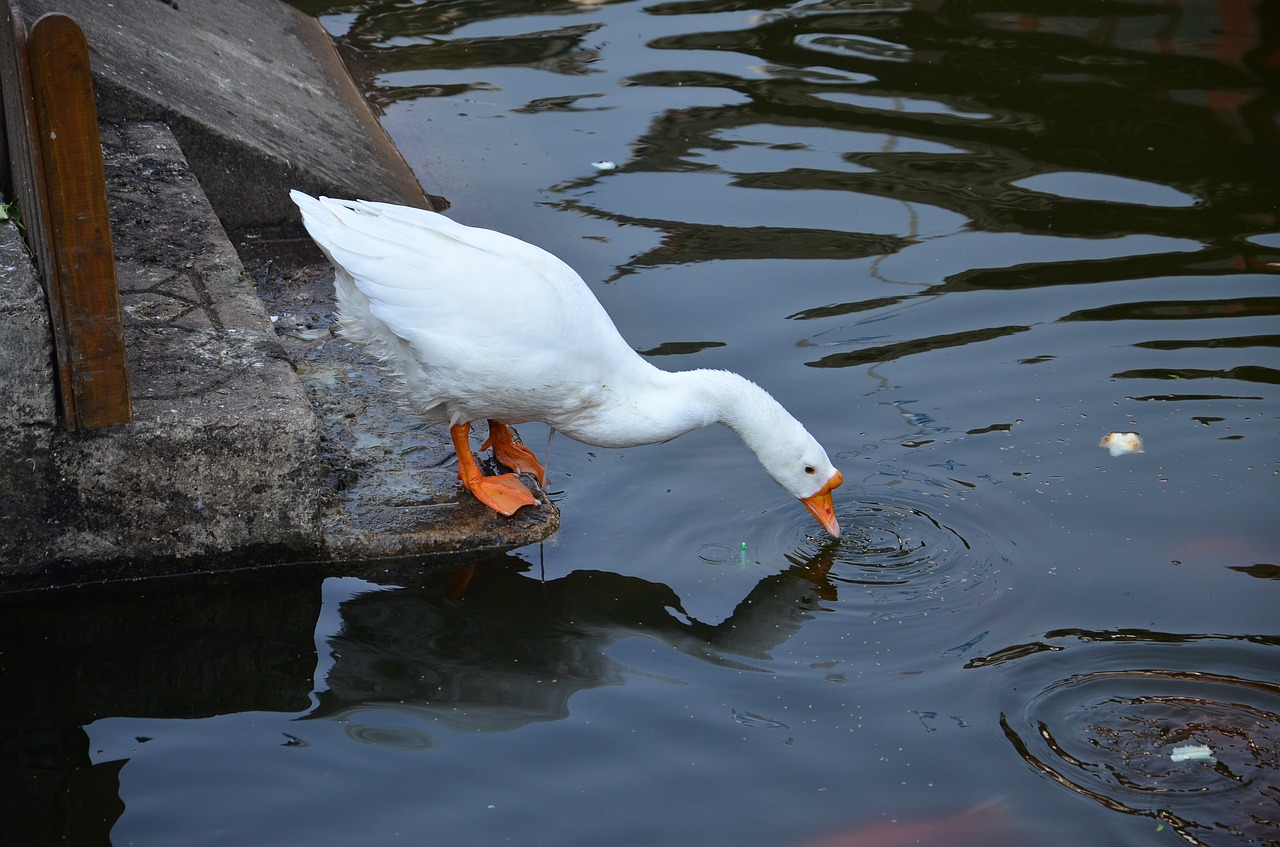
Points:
x=505 y=650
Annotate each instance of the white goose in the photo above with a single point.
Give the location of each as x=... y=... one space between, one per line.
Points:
x=484 y=326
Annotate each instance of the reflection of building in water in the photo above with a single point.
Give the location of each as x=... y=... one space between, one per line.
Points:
x=168 y=649
x=513 y=650
x=1241 y=34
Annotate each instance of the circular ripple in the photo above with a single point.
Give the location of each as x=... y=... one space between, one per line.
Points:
x=912 y=555
x=1110 y=735
x=399 y=737
x=718 y=554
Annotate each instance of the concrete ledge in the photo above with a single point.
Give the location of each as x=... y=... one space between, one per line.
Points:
x=29 y=489
x=226 y=463
x=255 y=93
x=253 y=442
x=220 y=457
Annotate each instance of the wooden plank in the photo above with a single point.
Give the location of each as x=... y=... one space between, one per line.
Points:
x=79 y=222
x=6 y=171
x=26 y=171
x=6 y=168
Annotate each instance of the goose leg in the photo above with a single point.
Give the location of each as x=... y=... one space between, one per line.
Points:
x=504 y=493
x=512 y=455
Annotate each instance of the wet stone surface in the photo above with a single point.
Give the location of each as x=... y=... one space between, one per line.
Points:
x=248 y=447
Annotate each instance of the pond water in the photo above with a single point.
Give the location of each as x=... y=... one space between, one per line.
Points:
x=962 y=242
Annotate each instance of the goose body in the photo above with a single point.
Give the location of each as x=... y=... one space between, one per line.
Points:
x=481 y=325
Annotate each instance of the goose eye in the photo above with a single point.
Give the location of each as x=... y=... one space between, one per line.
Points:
x=810 y=470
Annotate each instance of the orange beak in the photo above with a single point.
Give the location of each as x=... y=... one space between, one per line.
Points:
x=821 y=507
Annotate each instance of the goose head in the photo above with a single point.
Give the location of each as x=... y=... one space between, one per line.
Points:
x=785 y=449
x=798 y=463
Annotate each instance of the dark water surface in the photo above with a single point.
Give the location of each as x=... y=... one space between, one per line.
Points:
x=962 y=242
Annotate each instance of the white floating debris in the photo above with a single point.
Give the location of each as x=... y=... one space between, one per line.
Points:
x=1192 y=753
x=1120 y=443
x=604 y=165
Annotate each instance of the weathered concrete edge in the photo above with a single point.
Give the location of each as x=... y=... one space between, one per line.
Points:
x=408 y=188
x=28 y=417
x=247 y=183
x=199 y=482
x=72 y=487
x=208 y=475
x=270 y=106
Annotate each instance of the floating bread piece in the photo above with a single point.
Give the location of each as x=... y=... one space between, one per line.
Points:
x=1120 y=443
x=1192 y=753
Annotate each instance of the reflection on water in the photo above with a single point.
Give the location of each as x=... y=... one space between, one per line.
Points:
x=963 y=241
x=903 y=558
x=473 y=647
x=489 y=649
x=181 y=649
x=985 y=236
x=1152 y=123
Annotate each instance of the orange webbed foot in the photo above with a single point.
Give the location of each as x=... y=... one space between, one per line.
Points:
x=515 y=456
x=504 y=494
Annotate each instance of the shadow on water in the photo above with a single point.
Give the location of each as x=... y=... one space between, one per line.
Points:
x=482 y=646
x=167 y=649
x=488 y=648
x=476 y=646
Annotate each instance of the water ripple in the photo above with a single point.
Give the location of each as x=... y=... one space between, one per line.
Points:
x=907 y=555
x=398 y=737
x=1109 y=733
x=861 y=46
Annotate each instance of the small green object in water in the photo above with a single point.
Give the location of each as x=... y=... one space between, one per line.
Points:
x=743 y=560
